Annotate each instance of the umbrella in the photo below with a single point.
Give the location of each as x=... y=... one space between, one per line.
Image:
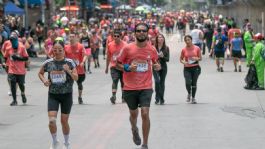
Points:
x=140 y=8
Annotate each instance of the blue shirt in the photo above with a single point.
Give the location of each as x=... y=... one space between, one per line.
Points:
x=236 y=42
x=220 y=42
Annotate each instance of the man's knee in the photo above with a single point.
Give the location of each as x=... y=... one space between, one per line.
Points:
x=145 y=115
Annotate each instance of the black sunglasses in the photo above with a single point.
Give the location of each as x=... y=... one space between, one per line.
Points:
x=116 y=36
x=138 y=31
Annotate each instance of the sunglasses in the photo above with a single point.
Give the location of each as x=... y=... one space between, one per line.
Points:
x=143 y=31
x=116 y=36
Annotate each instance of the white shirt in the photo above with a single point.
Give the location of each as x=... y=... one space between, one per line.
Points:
x=195 y=34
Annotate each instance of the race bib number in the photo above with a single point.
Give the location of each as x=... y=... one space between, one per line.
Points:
x=85 y=43
x=58 y=77
x=142 y=67
x=190 y=61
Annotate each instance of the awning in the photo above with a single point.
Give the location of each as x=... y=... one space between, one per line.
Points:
x=105 y=6
x=30 y=2
x=11 y=8
x=69 y=8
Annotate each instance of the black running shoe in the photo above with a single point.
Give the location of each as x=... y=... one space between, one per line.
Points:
x=136 y=137
x=113 y=99
x=24 y=99
x=13 y=103
x=80 y=100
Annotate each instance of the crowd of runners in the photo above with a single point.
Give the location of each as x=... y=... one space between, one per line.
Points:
x=134 y=50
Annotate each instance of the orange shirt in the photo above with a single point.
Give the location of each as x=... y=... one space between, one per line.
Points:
x=144 y=58
x=113 y=51
x=76 y=53
x=188 y=53
x=16 y=67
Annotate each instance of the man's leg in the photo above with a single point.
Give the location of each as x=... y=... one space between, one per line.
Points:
x=145 y=124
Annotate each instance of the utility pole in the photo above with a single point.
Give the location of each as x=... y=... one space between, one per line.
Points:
x=26 y=14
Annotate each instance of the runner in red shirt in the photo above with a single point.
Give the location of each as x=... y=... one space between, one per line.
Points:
x=137 y=60
x=76 y=52
x=17 y=55
x=49 y=43
x=114 y=49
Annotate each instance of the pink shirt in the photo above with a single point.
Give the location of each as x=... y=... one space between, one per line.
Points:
x=16 y=67
x=76 y=53
x=188 y=53
x=113 y=51
x=144 y=58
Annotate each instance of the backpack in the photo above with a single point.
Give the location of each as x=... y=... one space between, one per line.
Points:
x=262 y=53
x=220 y=43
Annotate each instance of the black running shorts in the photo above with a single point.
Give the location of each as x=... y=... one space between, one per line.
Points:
x=65 y=100
x=138 y=98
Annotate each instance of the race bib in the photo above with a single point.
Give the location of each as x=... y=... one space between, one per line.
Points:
x=58 y=77
x=142 y=67
x=190 y=61
x=85 y=43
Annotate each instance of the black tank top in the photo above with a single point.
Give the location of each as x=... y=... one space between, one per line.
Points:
x=85 y=41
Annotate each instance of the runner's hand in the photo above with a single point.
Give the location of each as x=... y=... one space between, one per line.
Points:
x=66 y=67
x=106 y=71
x=133 y=67
x=82 y=64
x=47 y=83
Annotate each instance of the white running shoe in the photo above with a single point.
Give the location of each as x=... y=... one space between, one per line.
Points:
x=66 y=146
x=9 y=93
x=55 y=145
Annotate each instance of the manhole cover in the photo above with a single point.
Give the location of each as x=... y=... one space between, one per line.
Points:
x=245 y=111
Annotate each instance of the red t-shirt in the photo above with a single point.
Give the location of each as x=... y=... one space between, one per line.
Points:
x=188 y=53
x=16 y=67
x=76 y=53
x=114 y=51
x=143 y=57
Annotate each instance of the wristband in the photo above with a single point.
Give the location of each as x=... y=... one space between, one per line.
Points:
x=126 y=67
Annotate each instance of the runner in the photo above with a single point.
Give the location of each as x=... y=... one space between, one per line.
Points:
x=160 y=76
x=16 y=55
x=114 y=49
x=61 y=75
x=190 y=57
x=85 y=40
x=218 y=46
x=76 y=52
x=95 y=44
x=137 y=60
x=235 y=50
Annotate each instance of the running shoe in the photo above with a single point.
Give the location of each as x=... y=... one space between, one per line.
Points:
x=136 y=137
x=24 y=99
x=144 y=146
x=113 y=99
x=9 y=93
x=55 y=145
x=239 y=69
x=66 y=146
x=162 y=102
x=156 y=102
x=221 y=69
x=188 y=98
x=80 y=100
x=13 y=103
x=193 y=101
x=235 y=70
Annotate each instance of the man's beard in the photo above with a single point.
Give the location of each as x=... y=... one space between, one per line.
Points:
x=141 y=39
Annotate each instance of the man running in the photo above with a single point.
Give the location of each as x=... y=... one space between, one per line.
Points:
x=137 y=60
x=114 y=49
x=76 y=52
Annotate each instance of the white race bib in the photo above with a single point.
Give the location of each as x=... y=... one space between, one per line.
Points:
x=58 y=77
x=190 y=61
x=85 y=43
x=142 y=67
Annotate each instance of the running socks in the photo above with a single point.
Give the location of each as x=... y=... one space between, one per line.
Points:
x=54 y=138
x=66 y=139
